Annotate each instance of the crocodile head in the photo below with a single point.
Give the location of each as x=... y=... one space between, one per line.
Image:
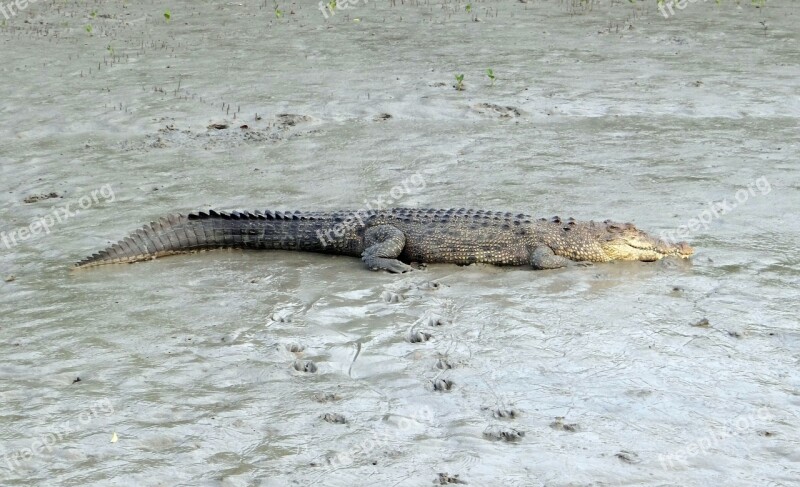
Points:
x=623 y=241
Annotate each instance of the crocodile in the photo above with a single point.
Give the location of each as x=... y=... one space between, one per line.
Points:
x=392 y=239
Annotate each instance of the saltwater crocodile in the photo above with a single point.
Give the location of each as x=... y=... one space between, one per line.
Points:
x=391 y=239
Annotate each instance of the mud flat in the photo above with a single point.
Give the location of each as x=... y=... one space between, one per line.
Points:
x=231 y=368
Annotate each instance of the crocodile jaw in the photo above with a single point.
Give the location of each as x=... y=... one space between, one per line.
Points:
x=645 y=248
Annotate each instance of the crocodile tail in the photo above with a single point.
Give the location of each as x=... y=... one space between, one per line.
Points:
x=176 y=234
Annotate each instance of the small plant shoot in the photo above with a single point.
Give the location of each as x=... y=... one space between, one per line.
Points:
x=460 y=82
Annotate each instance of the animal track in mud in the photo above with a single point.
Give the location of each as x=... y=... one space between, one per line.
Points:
x=39 y=197
x=504 y=413
x=291 y=119
x=442 y=385
x=496 y=110
x=334 y=418
x=323 y=397
x=305 y=366
x=429 y=286
x=281 y=317
x=418 y=337
x=222 y=135
x=391 y=297
x=510 y=435
x=438 y=321
x=627 y=456
x=443 y=364
x=445 y=479
x=560 y=425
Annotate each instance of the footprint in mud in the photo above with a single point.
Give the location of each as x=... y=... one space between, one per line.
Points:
x=305 y=366
x=225 y=134
x=504 y=413
x=323 y=397
x=510 y=435
x=443 y=364
x=39 y=197
x=560 y=425
x=418 y=337
x=334 y=418
x=291 y=119
x=391 y=297
x=496 y=110
x=445 y=479
x=281 y=317
x=442 y=385
x=438 y=321
x=429 y=286
x=627 y=456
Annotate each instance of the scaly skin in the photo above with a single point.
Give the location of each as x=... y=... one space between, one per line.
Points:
x=390 y=239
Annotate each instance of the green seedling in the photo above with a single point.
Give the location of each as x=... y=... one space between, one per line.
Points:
x=89 y=28
x=468 y=8
x=278 y=13
x=490 y=74
x=93 y=14
x=167 y=15
x=460 y=82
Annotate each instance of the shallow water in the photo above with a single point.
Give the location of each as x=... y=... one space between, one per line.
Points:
x=189 y=362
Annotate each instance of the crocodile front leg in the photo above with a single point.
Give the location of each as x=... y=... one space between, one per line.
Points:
x=543 y=257
x=384 y=244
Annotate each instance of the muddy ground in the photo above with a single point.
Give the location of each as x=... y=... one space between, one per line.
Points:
x=234 y=368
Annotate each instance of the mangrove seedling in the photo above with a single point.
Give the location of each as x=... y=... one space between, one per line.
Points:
x=490 y=74
x=468 y=8
x=88 y=28
x=460 y=82
x=167 y=15
x=278 y=12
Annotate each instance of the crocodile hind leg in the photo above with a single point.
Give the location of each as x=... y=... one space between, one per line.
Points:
x=384 y=245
